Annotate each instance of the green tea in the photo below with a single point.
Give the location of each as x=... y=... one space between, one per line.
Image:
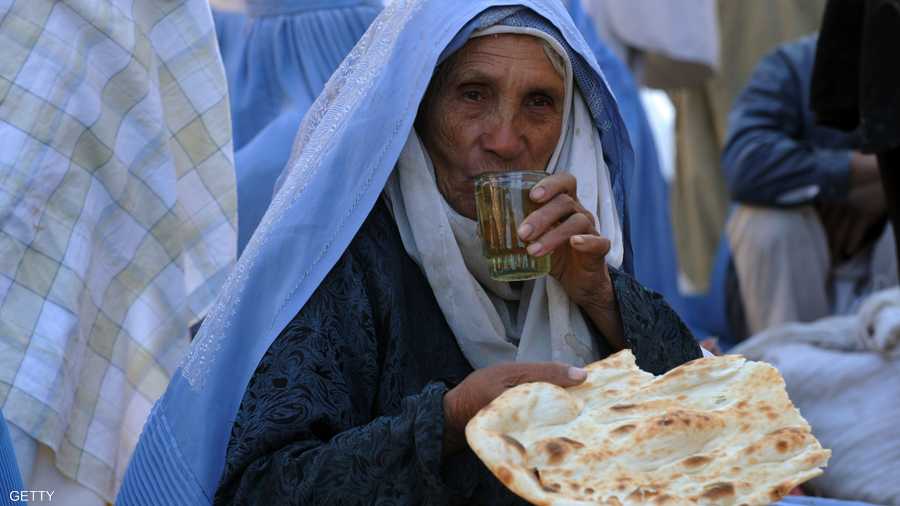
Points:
x=502 y=206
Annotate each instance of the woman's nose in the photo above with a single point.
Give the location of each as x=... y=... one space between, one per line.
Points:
x=504 y=139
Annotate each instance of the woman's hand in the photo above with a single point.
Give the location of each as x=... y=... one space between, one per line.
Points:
x=563 y=226
x=481 y=387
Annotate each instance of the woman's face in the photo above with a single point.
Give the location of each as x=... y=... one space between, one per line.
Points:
x=495 y=105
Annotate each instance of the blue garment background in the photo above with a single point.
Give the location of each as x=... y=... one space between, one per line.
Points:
x=278 y=57
x=652 y=238
x=655 y=261
x=10 y=479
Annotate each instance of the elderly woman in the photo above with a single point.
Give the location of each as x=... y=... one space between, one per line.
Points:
x=360 y=331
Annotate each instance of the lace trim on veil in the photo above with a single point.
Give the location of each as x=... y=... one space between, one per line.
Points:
x=320 y=127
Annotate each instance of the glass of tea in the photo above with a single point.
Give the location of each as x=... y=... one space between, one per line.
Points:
x=502 y=203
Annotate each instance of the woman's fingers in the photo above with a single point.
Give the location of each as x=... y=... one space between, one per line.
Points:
x=554 y=185
x=548 y=216
x=483 y=385
x=562 y=219
x=592 y=251
x=547 y=372
x=576 y=224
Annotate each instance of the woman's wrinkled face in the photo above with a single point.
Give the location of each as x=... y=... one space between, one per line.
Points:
x=495 y=105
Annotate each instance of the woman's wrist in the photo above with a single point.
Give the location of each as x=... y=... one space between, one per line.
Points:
x=454 y=439
x=603 y=310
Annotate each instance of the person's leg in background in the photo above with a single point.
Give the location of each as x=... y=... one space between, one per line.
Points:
x=782 y=262
x=889 y=165
x=884 y=265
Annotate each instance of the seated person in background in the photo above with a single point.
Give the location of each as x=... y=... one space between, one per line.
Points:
x=809 y=233
x=357 y=390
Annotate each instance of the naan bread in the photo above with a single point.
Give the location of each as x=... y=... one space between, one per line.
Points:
x=717 y=430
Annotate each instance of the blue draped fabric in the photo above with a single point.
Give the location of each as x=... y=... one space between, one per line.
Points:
x=277 y=59
x=10 y=479
x=655 y=261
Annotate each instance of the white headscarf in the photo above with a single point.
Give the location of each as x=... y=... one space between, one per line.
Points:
x=494 y=321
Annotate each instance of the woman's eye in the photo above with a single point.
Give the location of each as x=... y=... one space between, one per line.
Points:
x=472 y=95
x=541 y=102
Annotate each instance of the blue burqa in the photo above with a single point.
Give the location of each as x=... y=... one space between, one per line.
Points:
x=278 y=57
x=655 y=260
x=347 y=146
x=10 y=479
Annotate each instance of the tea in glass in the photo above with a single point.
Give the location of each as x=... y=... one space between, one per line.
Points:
x=502 y=204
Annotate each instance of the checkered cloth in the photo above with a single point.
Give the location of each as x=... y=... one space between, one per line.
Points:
x=117 y=215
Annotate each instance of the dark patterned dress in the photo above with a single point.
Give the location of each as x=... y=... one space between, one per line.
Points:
x=346 y=406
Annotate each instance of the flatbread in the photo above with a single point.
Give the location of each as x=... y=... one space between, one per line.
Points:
x=718 y=430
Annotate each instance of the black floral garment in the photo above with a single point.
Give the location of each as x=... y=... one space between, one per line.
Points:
x=346 y=406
